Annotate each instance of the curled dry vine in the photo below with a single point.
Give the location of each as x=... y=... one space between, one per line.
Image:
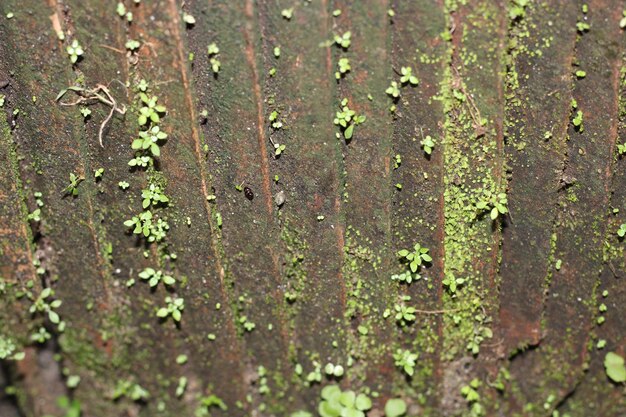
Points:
x=100 y=94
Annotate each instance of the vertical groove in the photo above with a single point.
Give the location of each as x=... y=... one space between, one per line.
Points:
x=251 y=58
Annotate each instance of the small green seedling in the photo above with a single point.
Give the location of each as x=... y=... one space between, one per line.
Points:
x=407 y=76
x=143 y=85
x=347 y=119
x=35 y=215
x=395 y=407
x=404 y=315
x=583 y=27
x=577 y=121
x=279 y=148
x=123 y=185
x=141 y=161
x=277 y=52
x=142 y=223
x=71 y=408
x=189 y=19
x=85 y=112
x=287 y=13
x=428 y=144
x=75 y=51
x=393 y=90
x=98 y=173
x=149 y=139
x=334 y=370
x=416 y=258
x=153 y=195
x=132 y=45
x=155 y=276
x=406 y=276
x=174 y=308
x=621 y=232
x=344 y=67
x=469 y=391
x=344 y=40
x=122 y=12
x=622 y=22
x=452 y=283
x=615 y=369
x=397 y=161
x=43 y=305
x=150 y=110
x=131 y=390
x=495 y=203
x=40 y=336
x=405 y=360
x=276 y=124
x=212 y=51
x=336 y=403
x=72 y=188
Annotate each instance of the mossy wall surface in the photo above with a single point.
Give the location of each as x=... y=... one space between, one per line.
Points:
x=289 y=262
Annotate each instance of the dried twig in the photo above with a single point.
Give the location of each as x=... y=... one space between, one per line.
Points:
x=100 y=93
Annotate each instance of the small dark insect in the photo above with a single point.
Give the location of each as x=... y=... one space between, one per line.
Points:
x=248 y=192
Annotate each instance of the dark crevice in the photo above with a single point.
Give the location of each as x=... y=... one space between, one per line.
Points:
x=9 y=406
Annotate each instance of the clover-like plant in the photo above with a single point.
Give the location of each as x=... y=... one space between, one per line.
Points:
x=72 y=188
x=150 y=109
x=416 y=258
x=344 y=40
x=404 y=314
x=279 y=148
x=452 y=282
x=35 y=215
x=334 y=370
x=287 y=13
x=347 y=119
x=276 y=123
x=495 y=203
x=337 y=403
x=155 y=276
x=393 y=90
x=141 y=161
x=212 y=51
x=75 y=50
x=621 y=232
x=577 y=121
x=344 y=67
x=405 y=360
x=132 y=45
x=141 y=223
x=153 y=195
x=174 y=308
x=44 y=305
x=407 y=76
x=406 y=276
x=131 y=390
x=149 y=139
x=428 y=144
